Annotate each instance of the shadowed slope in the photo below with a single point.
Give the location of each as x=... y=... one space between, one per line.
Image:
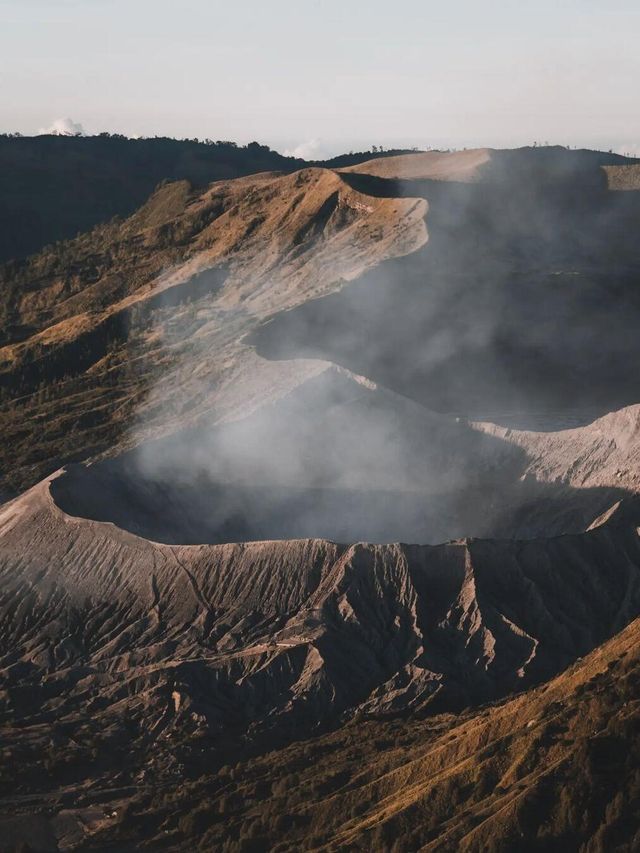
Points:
x=133 y=668
x=300 y=631
x=55 y=187
x=182 y=659
x=553 y=769
x=116 y=329
x=523 y=302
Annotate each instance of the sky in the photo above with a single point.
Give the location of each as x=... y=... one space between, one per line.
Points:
x=316 y=77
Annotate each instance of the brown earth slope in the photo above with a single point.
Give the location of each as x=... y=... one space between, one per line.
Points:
x=555 y=769
x=521 y=308
x=55 y=187
x=116 y=329
x=124 y=660
x=271 y=384
x=274 y=600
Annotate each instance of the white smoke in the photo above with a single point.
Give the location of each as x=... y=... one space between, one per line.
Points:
x=309 y=150
x=443 y=327
x=63 y=127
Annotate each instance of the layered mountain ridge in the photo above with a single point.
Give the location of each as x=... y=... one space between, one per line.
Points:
x=301 y=453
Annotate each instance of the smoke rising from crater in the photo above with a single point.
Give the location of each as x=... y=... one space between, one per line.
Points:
x=519 y=309
x=63 y=127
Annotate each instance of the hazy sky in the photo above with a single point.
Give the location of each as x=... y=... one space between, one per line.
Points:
x=329 y=74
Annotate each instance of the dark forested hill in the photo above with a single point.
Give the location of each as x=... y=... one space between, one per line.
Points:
x=53 y=187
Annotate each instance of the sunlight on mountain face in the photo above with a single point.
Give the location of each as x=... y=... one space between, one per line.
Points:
x=320 y=471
